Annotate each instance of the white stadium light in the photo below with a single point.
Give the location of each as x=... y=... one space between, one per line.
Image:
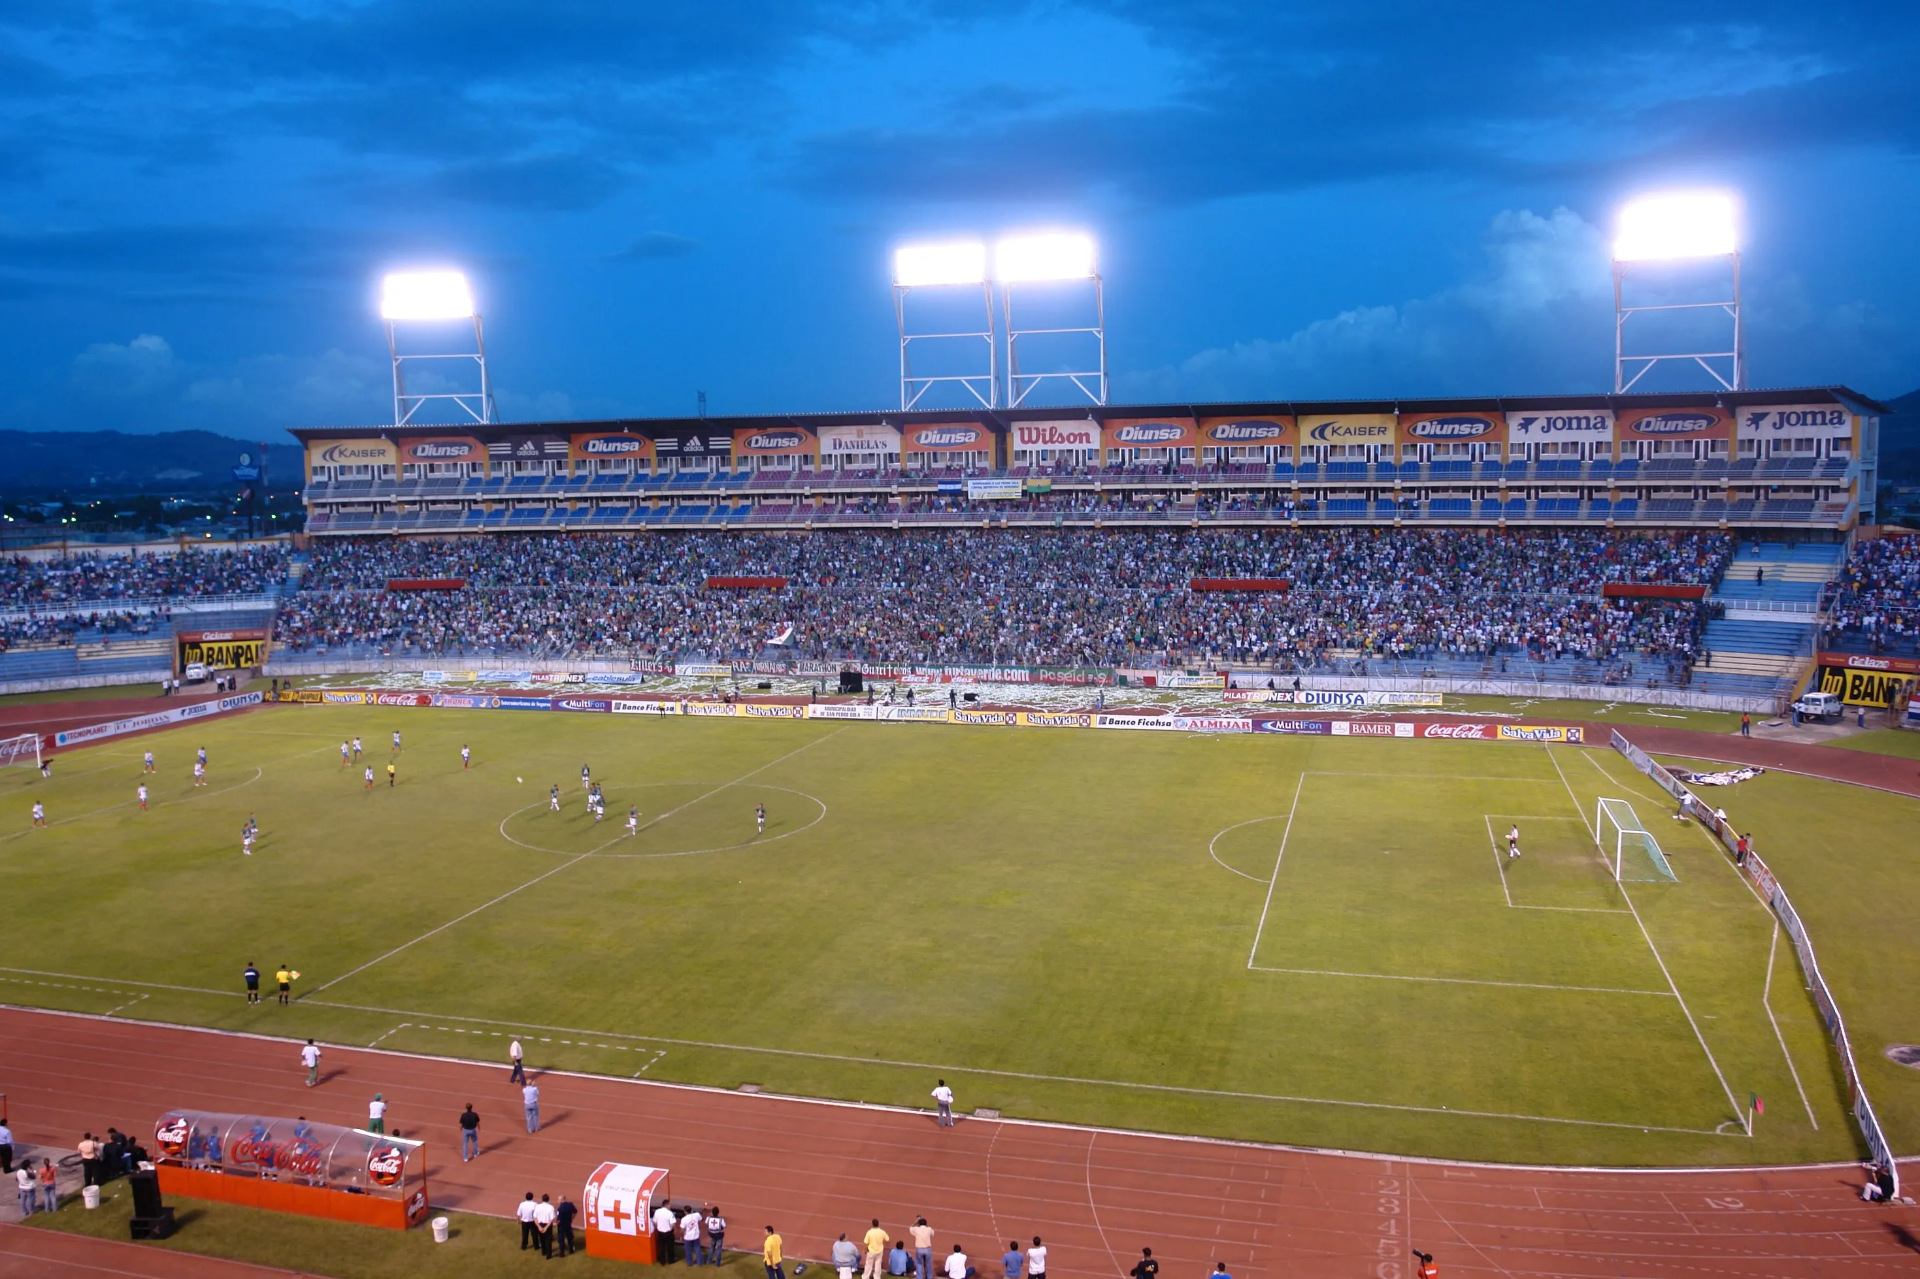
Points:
x=915 y=265
x=1696 y=224
x=1043 y=257
x=426 y=295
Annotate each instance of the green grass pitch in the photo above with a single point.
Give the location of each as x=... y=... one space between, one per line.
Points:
x=1276 y=939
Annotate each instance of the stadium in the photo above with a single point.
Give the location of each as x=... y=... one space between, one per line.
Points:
x=1308 y=836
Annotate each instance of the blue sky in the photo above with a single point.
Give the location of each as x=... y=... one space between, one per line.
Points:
x=1292 y=200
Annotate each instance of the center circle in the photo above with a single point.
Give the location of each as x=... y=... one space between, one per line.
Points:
x=614 y=826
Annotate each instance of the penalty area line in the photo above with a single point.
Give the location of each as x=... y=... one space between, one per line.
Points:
x=1467 y=981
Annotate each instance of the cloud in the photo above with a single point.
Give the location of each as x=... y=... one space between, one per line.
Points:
x=112 y=370
x=1535 y=317
x=654 y=244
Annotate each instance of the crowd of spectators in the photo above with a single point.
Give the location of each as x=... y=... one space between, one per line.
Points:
x=1053 y=597
x=38 y=584
x=1875 y=604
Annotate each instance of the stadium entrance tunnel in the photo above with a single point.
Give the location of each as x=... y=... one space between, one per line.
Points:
x=676 y=819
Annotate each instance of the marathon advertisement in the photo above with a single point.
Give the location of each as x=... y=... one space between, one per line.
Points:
x=1150 y=433
x=596 y=446
x=1877 y=682
x=775 y=441
x=879 y=443
x=1710 y=423
x=1349 y=428
x=1795 y=421
x=443 y=448
x=159 y=719
x=224 y=649
x=1452 y=428
x=947 y=437
x=1577 y=426
x=1247 y=432
x=363 y=452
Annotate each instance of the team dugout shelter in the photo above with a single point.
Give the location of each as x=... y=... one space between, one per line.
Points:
x=1794 y=459
x=292 y=1165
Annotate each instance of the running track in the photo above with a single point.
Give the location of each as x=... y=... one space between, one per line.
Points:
x=814 y=1169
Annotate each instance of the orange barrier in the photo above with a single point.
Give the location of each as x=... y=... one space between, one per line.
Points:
x=282 y=1196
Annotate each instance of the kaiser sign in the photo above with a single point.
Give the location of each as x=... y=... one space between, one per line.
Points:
x=1350 y=428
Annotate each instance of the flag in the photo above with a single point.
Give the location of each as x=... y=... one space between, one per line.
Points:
x=1759 y=1106
x=783 y=636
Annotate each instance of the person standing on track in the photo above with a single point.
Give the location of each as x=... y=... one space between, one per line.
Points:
x=943 y=1098
x=310 y=1058
x=251 y=976
x=1037 y=1260
x=1146 y=1267
x=772 y=1255
x=377 y=1114
x=469 y=1134
x=530 y=1099
x=24 y=1178
x=518 y=1057
x=922 y=1248
x=1013 y=1263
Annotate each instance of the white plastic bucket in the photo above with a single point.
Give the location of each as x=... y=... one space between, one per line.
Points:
x=439 y=1229
x=90 y=1196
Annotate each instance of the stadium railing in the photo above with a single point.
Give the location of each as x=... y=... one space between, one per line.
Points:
x=1776 y=897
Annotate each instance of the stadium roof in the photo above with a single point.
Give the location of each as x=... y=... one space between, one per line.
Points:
x=1850 y=399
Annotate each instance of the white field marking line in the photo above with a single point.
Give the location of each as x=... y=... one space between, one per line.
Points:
x=151 y=985
x=1655 y=950
x=571 y=861
x=658 y=1054
x=1719 y=849
x=1266 y=905
x=743 y=777
x=687 y=852
x=1766 y=1002
x=1465 y=981
x=1228 y=831
x=1501 y=864
x=1051 y=1125
x=402 y=1026
x=133 y=803
x=1094 y=1208
x=1434 y=777
x=130 y=1003
x=938 y=1068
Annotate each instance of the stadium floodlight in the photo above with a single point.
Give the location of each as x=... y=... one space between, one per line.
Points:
x=433 y=297
x=1678 y=229
x=426 y=295
x=922 y=265
x=1687 y=224
x=946 y=265
x=1052 y=256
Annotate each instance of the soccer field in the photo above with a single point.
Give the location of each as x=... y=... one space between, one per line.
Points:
x=1280 y=939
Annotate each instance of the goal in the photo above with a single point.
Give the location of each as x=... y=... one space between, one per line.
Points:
x=24 y=749
x=1632 y=853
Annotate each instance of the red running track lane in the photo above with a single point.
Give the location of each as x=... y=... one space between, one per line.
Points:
x=814 y=1169
x=50 y=1254
x=48 y=718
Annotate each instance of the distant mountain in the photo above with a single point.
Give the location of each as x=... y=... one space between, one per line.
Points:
x=56 y=464
x=1900 y=440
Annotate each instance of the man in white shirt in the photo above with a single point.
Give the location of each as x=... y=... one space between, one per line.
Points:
x=1037 y=1260
x=530 y=1098
x=956 y=1265
x=517 y=1057
x=690 y=1237
x=663 y=1224
x=543 y=1215
x=943 y=1097
x=377 y=1114
x=524 y=1211
x=310 y=1058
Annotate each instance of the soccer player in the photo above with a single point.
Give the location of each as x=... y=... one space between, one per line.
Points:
x=586 y=778
x=633 y=820
x=202 y=757
x=553 y=798
x=39 y=813
x=46 y=768
x=1513 y=840
x=346 y=756
x=142 y=793
x=199 y=772
x=251 y=976
x=396 y=741
x=760 y=818
x=369 y=776
x=246 y=838
x=149 y=762
x=466 y=757
x=356 y=748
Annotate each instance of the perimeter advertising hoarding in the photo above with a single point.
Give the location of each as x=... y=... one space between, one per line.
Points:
x=159 y=719
x=1247 y=432
x=1150 y=433
x=1348 y=428
x=1674 y=424
x=1343 y=700
x=1574 y=426
x=879 y=442
x=362 y=452
x=592 y=446
x=947 y=437
x=224 y=649
x=1452 y=428
x=1859 y=680
x=775 y=441
x=1071 y=434
x=992 y=490
x=443 y=448
x=1795 y=421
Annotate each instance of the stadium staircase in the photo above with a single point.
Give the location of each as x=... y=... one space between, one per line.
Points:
x=1754 y=658
x=1779 y=578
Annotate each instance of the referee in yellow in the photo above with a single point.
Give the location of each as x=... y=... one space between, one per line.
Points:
x=286 y=977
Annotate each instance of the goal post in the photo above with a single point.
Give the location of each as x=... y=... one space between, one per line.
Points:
x=1631 y=851
x=24 y=749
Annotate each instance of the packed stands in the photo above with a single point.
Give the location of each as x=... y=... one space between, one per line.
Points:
x=1875 y=606
x=42 y=584
x=1061 y=597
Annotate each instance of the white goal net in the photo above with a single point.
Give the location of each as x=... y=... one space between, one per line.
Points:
x=24 y=749
x=1632 y=853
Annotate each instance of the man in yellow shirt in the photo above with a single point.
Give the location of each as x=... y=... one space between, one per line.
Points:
x=877 y=1241
x=770 y=1254
x=286 y=977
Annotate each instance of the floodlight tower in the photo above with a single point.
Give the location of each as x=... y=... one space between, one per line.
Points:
x=436 y=298
x=1681 y=227
x=1042 y=259
x=960 y=265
